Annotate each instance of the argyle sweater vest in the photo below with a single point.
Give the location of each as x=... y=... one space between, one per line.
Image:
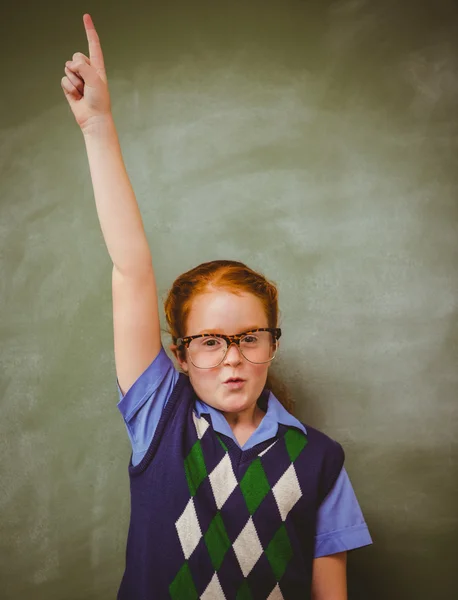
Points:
x=209 y=520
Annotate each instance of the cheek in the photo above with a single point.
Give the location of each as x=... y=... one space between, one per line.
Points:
x=202 y=378
x=259 y=370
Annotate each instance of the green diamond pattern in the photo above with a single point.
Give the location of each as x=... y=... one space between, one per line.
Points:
x=254 y=485
x=195 y=468
x=279 y=552
x=217 y=541
x=295 y=442
x=244 y=592
x=182 y=587
x=222 y=444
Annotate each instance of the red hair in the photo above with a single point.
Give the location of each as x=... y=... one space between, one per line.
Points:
x=232 y=276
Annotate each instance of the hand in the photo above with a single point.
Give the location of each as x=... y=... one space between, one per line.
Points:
x=85 y=82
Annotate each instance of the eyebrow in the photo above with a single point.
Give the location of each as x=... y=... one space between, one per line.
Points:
x=219 y=331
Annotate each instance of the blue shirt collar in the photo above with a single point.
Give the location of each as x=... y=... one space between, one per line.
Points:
x=276 y=411
x=276 y=414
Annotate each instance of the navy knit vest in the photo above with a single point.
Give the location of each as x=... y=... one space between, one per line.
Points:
x=209 y=520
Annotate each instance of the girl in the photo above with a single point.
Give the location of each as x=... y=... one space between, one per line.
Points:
x=231 y=496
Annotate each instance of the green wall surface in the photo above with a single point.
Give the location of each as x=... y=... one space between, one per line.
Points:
x=317 y=142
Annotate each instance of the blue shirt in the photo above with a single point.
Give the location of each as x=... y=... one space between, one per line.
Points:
x=340 y=523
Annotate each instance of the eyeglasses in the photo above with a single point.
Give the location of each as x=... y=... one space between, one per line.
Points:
x=208 y=350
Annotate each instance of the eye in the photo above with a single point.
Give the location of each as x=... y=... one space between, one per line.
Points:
x=249 y=339
x=210 y=342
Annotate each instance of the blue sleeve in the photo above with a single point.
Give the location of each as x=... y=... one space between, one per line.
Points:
x=340 y=524
x=142 y=406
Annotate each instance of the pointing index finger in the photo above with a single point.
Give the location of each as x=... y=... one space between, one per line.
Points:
x=95 y=50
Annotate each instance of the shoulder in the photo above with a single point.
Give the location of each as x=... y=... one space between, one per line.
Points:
x=183 y=391
x=328 y=455
x=327 y=444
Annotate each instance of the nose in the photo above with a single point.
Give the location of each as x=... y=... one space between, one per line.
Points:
x=233 y=354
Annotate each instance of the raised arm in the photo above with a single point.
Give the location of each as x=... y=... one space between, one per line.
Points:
x=136 y=324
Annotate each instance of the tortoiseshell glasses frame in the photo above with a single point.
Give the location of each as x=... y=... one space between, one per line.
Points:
x=230 y=339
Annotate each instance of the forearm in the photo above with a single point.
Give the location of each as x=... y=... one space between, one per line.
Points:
x=329 y=578
x=117 y=208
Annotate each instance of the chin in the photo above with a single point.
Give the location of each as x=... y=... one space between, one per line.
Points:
x=234 y=403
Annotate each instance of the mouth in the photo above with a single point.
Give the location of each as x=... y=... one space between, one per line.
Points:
x=234 y=383
x=234 y=380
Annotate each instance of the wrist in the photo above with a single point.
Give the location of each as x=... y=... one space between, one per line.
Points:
x=99 y=127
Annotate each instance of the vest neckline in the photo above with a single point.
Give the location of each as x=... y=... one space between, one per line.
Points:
x=239 y=455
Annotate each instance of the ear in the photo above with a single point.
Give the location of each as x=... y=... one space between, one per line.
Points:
x=179 y=357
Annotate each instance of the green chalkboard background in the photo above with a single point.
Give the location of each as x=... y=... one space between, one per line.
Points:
x=315 y=140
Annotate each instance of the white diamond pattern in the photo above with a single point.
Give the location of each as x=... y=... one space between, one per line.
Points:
x=213 y=590
x=201 y=425
x=247 y=547
x=188 y=529
x=275 y=594
x=267 y=449
x=223 y=480
x=287 y=491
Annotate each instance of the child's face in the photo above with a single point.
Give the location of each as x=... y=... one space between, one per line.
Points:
x=224 y=312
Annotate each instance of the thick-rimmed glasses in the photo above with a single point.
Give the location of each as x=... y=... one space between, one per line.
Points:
x=208 y=350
